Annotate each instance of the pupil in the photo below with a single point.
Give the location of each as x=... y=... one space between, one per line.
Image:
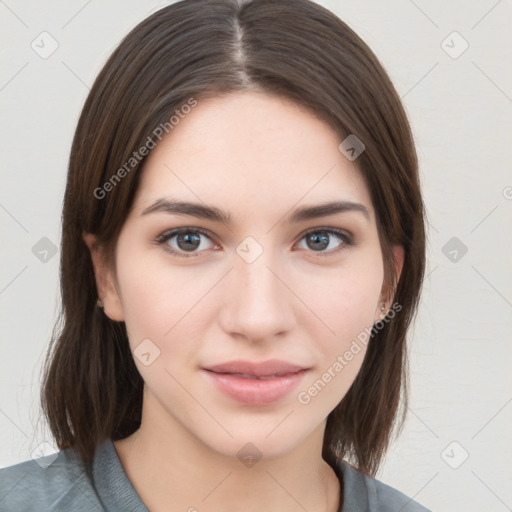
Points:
x=319 y=241
x=189 y=243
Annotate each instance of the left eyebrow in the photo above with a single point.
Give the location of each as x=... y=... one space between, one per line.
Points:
x=216 y=214
x=323 y=210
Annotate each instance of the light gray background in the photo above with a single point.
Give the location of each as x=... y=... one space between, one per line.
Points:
x=461 y=111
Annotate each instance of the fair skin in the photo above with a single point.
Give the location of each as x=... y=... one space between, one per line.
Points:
x=259 y=158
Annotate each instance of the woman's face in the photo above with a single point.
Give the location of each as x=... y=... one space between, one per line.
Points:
x=278 y=281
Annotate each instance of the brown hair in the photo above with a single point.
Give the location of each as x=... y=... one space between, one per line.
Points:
x=205 y=48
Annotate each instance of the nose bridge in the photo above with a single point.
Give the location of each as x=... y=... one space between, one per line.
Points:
x=258 y=305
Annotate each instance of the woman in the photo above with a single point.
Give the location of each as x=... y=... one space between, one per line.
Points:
x=242 y=254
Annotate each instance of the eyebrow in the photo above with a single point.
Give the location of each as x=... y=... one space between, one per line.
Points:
x=217 y=215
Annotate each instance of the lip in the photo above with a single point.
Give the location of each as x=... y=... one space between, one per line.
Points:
x=263 y=368
x=256 y=383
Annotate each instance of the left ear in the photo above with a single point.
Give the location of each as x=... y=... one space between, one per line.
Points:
x=387 y=295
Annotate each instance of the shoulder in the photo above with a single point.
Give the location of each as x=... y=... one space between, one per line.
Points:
x=52 y=483
x=362 y=492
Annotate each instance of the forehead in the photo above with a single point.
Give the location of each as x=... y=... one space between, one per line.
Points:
x=253 y=150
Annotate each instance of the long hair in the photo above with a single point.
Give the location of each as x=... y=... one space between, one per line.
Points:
x=189 y=51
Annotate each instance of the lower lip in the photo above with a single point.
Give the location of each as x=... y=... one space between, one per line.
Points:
x=255 y=391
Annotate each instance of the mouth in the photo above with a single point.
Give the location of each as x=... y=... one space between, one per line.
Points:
x=255 y=383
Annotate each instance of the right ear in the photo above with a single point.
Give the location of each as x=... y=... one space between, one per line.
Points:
x=105 y=280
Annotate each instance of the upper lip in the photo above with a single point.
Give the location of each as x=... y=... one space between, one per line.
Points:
x=261 y=369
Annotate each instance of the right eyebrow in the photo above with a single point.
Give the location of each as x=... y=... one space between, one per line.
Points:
x=188 y=208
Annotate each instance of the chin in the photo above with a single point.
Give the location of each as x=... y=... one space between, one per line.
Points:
x=255 y=442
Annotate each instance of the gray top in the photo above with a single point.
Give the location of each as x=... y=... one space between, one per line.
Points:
x=60 y=482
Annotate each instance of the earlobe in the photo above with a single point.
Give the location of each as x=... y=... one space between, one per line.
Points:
x=105 y=280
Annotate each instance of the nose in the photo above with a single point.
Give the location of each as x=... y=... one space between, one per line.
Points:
x=258 y=305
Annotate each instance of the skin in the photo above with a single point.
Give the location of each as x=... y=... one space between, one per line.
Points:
x=258 y=157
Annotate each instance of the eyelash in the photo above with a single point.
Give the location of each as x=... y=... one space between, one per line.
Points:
x=161 y=240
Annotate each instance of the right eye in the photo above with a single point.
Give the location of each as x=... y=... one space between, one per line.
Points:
x=184 y=242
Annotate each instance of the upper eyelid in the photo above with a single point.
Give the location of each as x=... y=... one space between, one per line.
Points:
x=171 y=233
x=326 y=228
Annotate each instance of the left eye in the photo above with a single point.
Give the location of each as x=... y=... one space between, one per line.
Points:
x=324 y=241
x=187 y=242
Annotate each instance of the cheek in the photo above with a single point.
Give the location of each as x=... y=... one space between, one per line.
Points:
x=344 y=299
x=147 y=313
x=345 y=303
x=156 y=295
x=162 y=309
